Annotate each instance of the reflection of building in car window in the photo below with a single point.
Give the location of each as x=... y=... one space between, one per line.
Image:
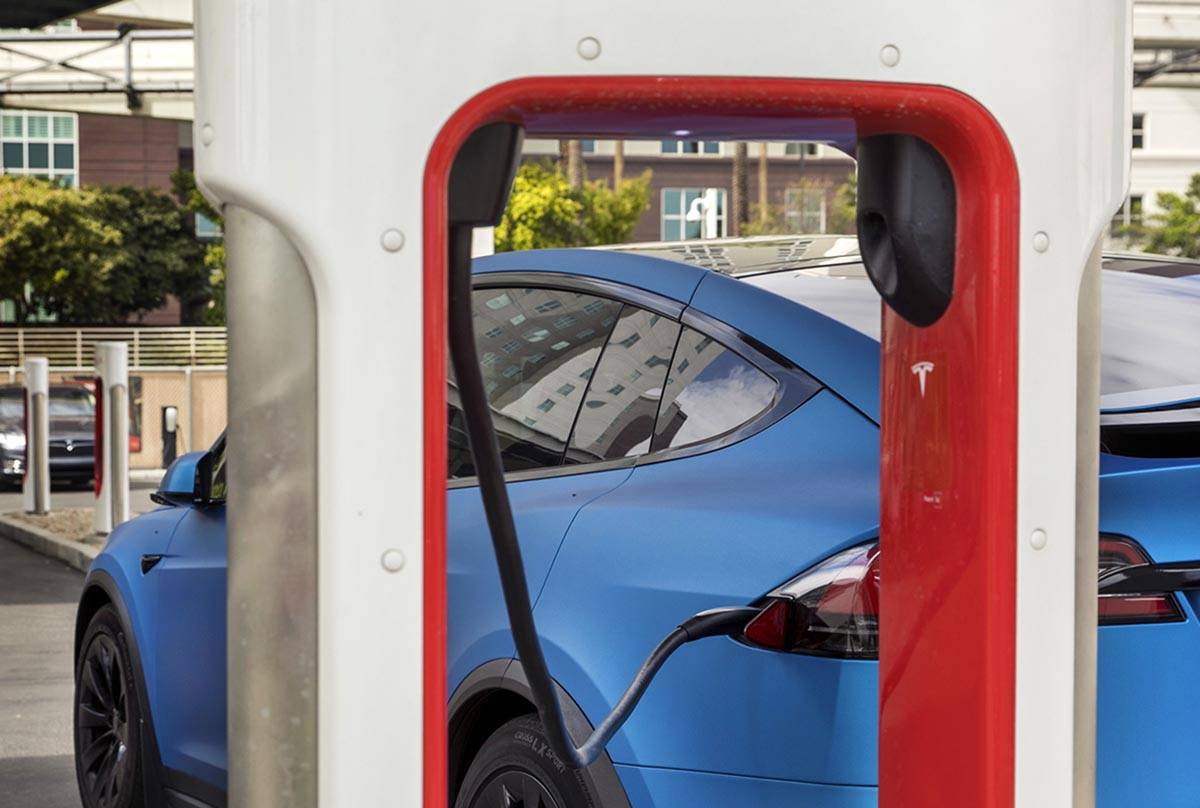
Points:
x=536 y=345
x=711 y=391
x=622 y=401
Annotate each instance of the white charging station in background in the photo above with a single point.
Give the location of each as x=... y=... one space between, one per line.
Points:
x=36 y=485
x=112 y=448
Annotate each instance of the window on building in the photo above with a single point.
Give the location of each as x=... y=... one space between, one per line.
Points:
x=533 y=393
x=587 y=146
x=41 y=144
x=711 y=391
x=1130 y=214
x=804 y=210
x=676 y=202
x=617 y=419
x=206 y=228
x=1139 y=130
x=691 y=147
x=805 y=148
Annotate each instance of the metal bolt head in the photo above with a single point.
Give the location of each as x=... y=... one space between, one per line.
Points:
x=207 y=134
x=1041 y=241
x=889 y=55
x=588 y=48
x=392 y=560
x=391 y=240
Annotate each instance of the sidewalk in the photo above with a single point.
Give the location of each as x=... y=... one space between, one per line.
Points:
x=64 y=535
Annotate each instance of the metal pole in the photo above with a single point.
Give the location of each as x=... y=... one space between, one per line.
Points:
x=37 y=435
x=191 y=422
x=118 y=428
x=272 y=590
x=112 y=450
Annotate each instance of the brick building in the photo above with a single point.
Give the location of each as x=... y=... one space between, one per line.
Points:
x=802 y=179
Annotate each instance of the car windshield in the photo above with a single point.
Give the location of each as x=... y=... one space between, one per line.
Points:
x=1149 y=322
x=72 y=402
x=12 y=404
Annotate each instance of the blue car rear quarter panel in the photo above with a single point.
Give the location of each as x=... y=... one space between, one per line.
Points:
x=1147 y=712
x=543 y=510
x=720 y=529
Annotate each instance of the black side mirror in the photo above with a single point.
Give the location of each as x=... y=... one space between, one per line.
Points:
x=906 y=224
x=202 y=490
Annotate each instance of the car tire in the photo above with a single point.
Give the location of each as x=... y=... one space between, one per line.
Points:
x=107 y=718
x=515 y=768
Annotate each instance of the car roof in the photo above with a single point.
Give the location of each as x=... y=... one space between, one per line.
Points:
x=808 y=297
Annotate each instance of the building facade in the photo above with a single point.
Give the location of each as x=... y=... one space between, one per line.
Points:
x=802 y=180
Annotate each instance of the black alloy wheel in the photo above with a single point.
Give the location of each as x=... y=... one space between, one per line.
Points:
x=514 y=788
x=107 y=750
x=515 y=768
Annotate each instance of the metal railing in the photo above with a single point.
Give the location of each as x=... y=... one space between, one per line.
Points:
x=148 y=346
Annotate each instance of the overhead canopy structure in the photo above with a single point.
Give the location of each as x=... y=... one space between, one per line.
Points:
x=36 y=13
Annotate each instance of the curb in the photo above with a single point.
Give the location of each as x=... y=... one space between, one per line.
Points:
x=146 y=475
x=72 y=553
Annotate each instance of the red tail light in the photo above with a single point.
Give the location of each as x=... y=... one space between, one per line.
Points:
x=1148 y=607
x=832 y=609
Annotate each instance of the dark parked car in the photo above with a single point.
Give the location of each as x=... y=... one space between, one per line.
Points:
x=72 y=433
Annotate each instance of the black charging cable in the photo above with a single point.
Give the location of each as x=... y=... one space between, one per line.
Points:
x=488 y=467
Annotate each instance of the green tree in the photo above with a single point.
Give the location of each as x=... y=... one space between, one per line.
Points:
x=160 y=255
x=94 y=255
x=212 y=293
x=840 y=219
x=545 y=211
x=1174 y=228
x=843 y=215
x=57 y=248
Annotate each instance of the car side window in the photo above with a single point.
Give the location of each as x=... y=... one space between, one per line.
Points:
x=617 y=419
x=711 y=391
x=537 y=350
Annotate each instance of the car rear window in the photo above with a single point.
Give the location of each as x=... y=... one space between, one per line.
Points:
x=1149 y=323
x=711 y=392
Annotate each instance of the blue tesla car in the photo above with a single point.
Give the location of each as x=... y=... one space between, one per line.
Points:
x=683 y=426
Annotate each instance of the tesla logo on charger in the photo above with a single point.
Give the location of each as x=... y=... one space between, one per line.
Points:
x=921 y=370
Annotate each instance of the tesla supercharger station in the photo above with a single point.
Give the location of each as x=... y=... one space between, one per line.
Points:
x=327 y=131
x=112 y=436
x=35 y=487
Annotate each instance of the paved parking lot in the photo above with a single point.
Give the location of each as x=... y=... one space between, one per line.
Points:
x=37 y=614
x=76 y=497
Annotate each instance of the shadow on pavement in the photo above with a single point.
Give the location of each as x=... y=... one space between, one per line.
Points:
x=39 y=782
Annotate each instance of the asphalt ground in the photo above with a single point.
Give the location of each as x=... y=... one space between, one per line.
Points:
x=80 y=497
x=37 y=624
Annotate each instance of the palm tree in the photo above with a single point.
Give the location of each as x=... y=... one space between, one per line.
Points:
x=763 y=198
x=575 y=163
x=740 y=207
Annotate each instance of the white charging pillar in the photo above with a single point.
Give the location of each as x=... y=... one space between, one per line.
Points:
x=112 y=448
x=36 y=486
